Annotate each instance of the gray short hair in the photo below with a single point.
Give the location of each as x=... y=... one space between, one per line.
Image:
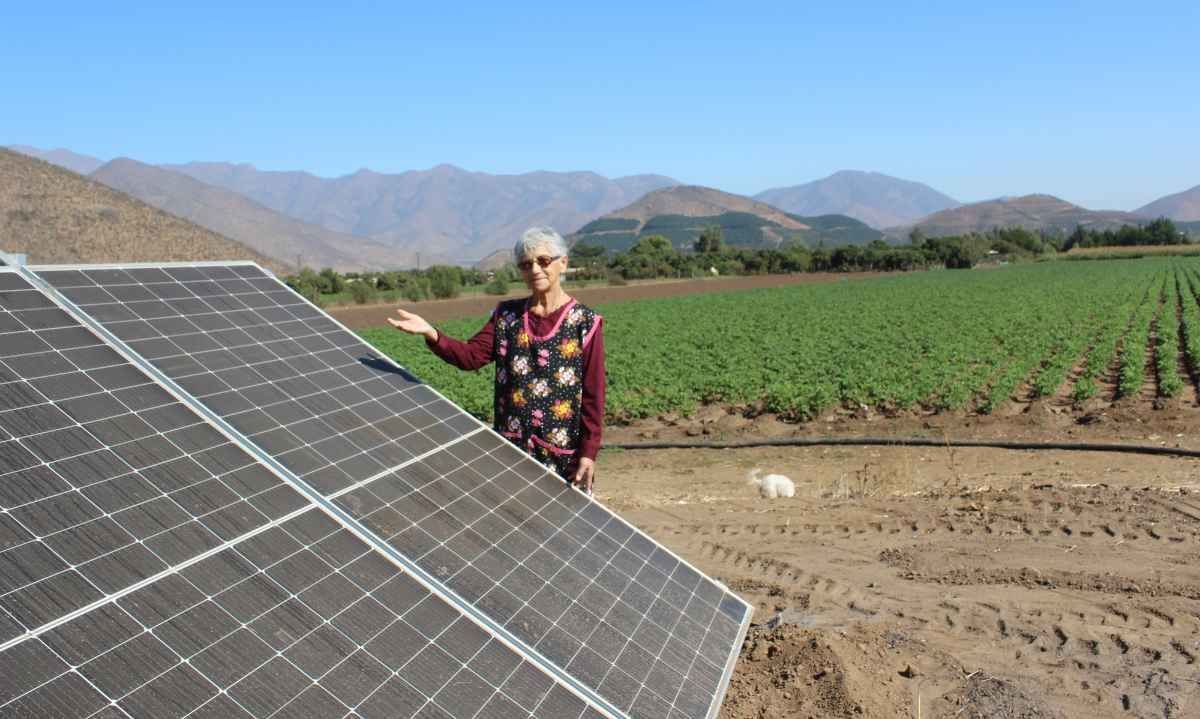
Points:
x=536 y=237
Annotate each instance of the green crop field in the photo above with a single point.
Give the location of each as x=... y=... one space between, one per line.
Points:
x=932 y=340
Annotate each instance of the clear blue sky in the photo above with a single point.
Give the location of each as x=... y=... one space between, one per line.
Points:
x=1096 y=102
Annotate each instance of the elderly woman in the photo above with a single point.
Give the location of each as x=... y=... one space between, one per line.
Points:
x=549 y=355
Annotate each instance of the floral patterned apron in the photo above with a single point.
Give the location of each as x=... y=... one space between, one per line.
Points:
x=539 y=382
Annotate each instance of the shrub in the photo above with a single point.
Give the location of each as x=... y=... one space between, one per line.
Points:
x=444 y=281
x=415 y=289
x=498 y=284
x=331 y=281
x=362 y=292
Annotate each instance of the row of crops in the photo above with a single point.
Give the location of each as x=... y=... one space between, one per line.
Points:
x=939 y=340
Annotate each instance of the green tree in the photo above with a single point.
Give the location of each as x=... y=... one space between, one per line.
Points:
x=415 y=288
x=655 y=246
x=499 y=283
x=444 y=281
x=710 y=241
x=362 y=291
x=331 y=282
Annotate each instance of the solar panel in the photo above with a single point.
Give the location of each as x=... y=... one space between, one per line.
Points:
x=151 y=567
x=106 y=479
x=301 y=620
x=585 y=592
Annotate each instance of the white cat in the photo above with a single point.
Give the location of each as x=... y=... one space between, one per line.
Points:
x=772 y=485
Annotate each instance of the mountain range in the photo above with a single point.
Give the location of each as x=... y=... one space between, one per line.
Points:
x=872 y=197
x=246 y=221
x=1182 y=206
x=444 y=212
x=447 y=214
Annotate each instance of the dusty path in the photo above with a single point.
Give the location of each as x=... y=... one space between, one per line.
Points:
x=357 y=317
x=989 y=582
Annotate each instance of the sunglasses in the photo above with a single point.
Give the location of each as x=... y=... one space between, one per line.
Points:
x=543 y=261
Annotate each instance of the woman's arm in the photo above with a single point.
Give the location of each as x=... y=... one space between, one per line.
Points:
x=591 y=417
x=470 y=355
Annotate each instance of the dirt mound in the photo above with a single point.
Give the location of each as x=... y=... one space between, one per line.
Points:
x=789 y=671
x=987 y=697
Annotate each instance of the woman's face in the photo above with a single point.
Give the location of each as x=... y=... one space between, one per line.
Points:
x=542 y=269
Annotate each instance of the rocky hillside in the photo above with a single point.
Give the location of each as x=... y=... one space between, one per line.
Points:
x=1034 y=212
x=57 y=216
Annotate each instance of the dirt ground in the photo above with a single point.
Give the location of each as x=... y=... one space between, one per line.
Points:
x=938 y=582
x=356 y=317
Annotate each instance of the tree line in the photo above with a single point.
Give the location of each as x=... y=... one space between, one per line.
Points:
x=654 y=256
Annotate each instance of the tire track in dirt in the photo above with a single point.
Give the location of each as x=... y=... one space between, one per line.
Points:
x=1101 y=637
x=1130 y=650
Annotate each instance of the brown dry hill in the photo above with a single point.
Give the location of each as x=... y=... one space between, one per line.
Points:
x=696 y=201
x=246 y=221
x=1181 y=207
x=56 y=216
x=1034 y=212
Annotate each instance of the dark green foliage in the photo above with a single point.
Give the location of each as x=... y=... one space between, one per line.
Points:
x=710 y=241
x=609 y=224
x=613 y=241
x=415 y=289
x=444 y=281
x=331 y=282
x=499 y=283
x=835 y=230
x=387 y=281
x=1156 y=232
x=362 y=291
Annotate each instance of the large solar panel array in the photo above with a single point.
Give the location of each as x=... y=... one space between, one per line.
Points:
x=601 y=607
x=153 y=568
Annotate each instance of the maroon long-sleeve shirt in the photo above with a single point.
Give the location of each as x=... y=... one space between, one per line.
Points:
x=478 y=352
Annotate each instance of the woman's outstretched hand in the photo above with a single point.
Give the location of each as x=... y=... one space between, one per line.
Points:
x=413 y=324
x=585 y=474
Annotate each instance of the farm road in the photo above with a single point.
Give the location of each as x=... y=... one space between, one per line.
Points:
x=356 y=317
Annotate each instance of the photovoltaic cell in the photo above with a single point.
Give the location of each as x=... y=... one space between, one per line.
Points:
x=628 y=619
x=300 y=620
x=318 y=399
x=563 y=575
x=105 y=478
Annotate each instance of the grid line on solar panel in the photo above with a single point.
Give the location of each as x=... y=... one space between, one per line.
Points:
x=282 y=373
x=266 y=620
x=543 y=558
x=105 y=479
x=657 y=624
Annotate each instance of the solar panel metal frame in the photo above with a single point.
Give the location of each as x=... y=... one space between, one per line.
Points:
x=313 y=498
x=353 y=523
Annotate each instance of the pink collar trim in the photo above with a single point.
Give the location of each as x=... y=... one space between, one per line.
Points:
x=561 y=316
